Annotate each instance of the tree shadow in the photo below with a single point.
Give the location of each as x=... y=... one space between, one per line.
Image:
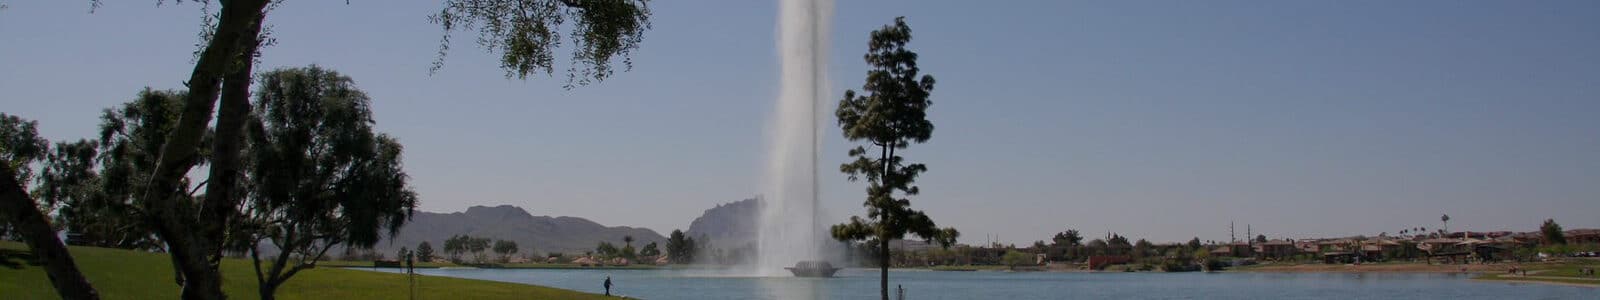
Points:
x=13 y=258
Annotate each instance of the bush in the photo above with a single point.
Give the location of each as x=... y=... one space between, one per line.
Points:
x=1175 y=266
x=1213 y=264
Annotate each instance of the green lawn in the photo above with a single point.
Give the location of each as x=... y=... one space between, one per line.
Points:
x=124 y=274
x=498 y=266
x=1565 y=271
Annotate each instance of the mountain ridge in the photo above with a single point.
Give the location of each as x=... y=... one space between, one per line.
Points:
x=542 y=234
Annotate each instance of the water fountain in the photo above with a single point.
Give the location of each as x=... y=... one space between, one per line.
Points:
x=791 y=230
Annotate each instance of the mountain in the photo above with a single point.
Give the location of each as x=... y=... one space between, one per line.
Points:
x=730 y=224
x=542 y=233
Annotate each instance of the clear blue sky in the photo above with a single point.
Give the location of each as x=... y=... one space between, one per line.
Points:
x=1155 y=119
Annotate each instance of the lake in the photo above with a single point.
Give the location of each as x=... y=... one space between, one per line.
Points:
x=863 y=284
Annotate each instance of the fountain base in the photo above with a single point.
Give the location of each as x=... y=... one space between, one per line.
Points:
x=812 y=269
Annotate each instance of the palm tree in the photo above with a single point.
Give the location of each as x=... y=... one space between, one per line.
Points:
x=1446 y=220
x=627 y=240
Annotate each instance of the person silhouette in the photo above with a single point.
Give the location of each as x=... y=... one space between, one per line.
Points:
x=608 y=285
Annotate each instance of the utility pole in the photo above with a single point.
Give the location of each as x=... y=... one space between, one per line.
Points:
x=1231 y=237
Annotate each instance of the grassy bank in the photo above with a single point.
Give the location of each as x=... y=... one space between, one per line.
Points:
x=368 y=264
x=1564 y=272
x=123 y=274
x=1557 y=272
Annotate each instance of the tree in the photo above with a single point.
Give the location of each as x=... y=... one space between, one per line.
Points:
x=68 y=176
x=1203 y=257
x=523 y=32
x=628 y=252
x=1446 y=220
x=20 y=145
x=319 y=177
x=606 y=249
x=477 y=246
x=1142 y=248
x=650 y=250
x=1118 y=245
x=69 y=182
x=1071 y=240
x=1261 y=238
x=680 y=248
x=505 y=249
x=890 y=115
x=1014 y=258
x=1194 y=244
x=627 y=240
x=454 y=247
x=424 y=252
x=95 y=183
x=1098 y=247
x=1068 y=238
x=1552 y=233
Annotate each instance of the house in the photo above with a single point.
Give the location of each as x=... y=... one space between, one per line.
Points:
x=1239 y=249
x=1339 y=245
x=1377 y=249
x=1439 y=245
x=1527 y=239
x=1485 y=250
x=1307 y=247
x=1276 y=249
x=1583 y=236
x=1222 y=251
x=1448 y=250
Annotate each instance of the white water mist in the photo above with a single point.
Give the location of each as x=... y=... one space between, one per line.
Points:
x=791 y=229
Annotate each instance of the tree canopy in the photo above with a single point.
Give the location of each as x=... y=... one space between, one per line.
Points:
x=319 y=177
x=196 y=232
x=1551 y=233
x=889 y=115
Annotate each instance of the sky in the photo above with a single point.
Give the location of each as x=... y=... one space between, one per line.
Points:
x=1162 y=120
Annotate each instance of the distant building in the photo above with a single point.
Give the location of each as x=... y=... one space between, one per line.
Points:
x=1377 y=249
x=1583 y=236
x=1436 y=246
x=1307 y=247
x=1276 y=249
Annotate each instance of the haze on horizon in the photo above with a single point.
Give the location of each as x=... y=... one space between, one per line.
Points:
x=1162 y=120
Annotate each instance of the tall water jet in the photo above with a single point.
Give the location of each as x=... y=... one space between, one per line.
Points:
x=791 y=229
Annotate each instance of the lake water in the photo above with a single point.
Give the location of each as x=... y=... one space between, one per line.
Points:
x=863 y=284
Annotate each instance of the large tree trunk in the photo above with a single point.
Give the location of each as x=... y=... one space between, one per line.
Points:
x=18 y=209
x=235 y=108
x=237 y=28
x=268 y=291
x=883 y=268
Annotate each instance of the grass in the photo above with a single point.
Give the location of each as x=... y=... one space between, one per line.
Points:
x=368 y=264
x=125 y=274
x=1563 y=272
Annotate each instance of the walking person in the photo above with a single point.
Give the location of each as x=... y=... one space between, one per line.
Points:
x=608 y=285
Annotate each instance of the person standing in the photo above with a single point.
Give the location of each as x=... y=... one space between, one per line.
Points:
x=608 y=285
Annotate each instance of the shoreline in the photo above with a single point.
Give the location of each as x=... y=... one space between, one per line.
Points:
x=1376 y=268
x=1542 y=282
